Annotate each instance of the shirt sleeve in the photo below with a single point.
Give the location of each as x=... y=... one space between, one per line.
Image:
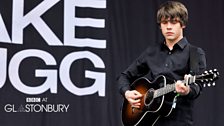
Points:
x=196 y=88
x=137 y=69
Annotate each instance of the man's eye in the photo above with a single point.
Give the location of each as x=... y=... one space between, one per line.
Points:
x=173 y=21
x=164 y=22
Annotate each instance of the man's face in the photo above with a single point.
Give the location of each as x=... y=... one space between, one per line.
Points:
x=171 y=29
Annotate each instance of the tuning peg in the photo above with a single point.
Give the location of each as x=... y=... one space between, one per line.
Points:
x=209 y=85
x=217 y=73
x=210 y=71
x=204 y=85
x=213 y=84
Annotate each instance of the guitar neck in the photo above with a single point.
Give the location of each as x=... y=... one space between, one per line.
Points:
x=171 y=87
x=207 y=76
x=162 y=91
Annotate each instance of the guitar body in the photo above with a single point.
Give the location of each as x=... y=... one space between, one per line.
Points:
x=151 y=108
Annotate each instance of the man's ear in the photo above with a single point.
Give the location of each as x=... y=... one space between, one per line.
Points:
x=183 y=26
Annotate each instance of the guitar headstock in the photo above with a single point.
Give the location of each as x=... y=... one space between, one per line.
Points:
x=208 y=78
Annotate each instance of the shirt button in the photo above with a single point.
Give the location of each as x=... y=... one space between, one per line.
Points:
x=166 y=65
x=169 y=53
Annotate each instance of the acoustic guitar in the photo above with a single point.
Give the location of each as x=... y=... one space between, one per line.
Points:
x=153 y=102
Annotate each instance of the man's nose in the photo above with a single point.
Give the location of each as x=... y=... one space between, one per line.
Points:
x=169 y=25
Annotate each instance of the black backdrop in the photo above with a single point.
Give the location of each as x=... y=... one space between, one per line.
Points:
x=130 y=26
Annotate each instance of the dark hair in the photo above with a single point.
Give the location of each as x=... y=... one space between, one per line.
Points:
x=172 y=10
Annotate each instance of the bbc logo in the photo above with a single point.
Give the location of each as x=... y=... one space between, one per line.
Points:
x=33 y=99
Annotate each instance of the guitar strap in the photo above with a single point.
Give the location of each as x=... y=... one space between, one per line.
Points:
x=194 y=59
x=194 y=67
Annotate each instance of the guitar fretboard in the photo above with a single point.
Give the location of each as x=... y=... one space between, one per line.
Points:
x=159 y=92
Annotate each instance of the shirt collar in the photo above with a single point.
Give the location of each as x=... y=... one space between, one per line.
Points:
x=182 y=43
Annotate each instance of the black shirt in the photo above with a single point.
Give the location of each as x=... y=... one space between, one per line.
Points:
x=174 y=64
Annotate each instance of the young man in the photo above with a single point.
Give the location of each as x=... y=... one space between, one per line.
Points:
x=170 y=58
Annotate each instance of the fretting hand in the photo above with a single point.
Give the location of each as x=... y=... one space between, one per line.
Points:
x=181 y=87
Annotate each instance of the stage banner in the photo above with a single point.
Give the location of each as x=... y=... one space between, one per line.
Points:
x=54 y=63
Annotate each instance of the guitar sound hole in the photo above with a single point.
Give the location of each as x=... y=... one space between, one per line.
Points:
x=149 y=97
